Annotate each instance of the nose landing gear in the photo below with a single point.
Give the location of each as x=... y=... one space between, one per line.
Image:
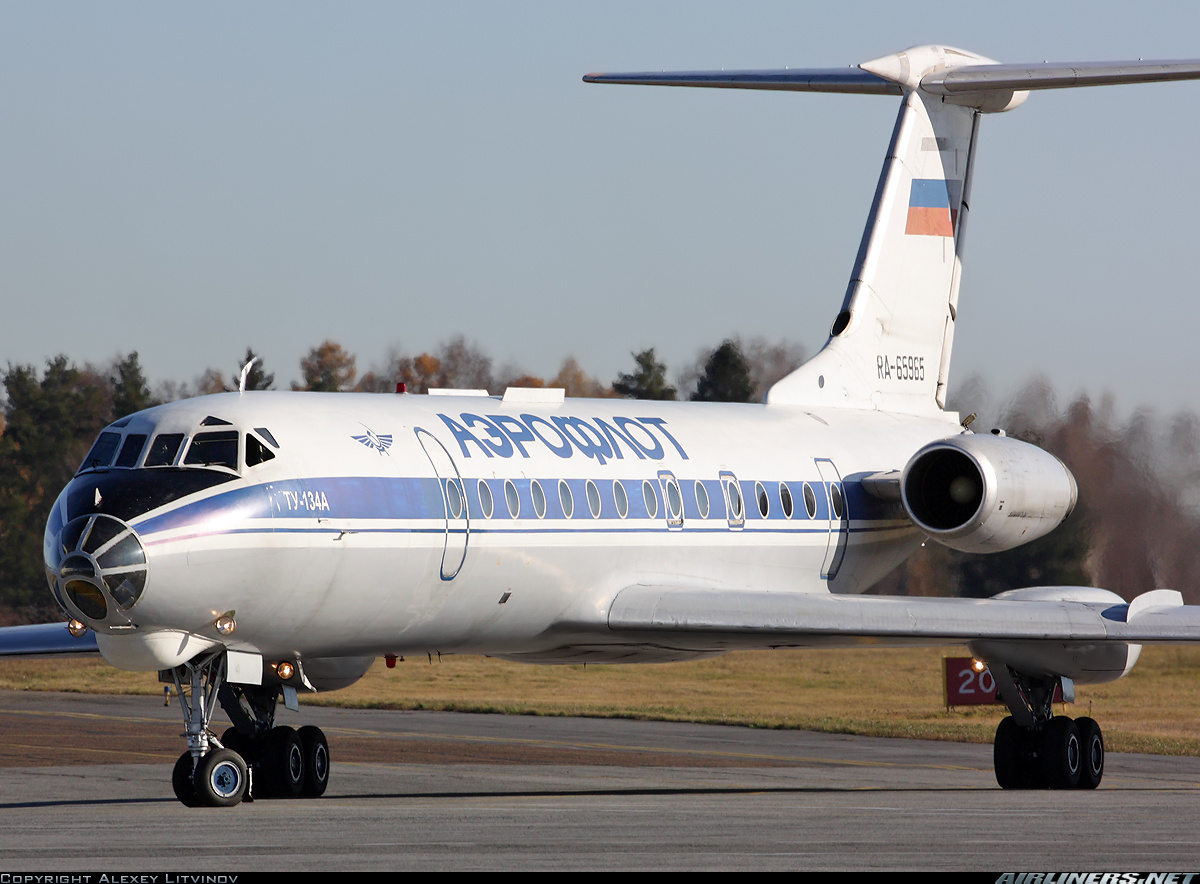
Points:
x=254 y=758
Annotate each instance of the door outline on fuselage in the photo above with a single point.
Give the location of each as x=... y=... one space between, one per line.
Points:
x=839 y=523
x=735 y=505
x=672 y=514
x=458 y=528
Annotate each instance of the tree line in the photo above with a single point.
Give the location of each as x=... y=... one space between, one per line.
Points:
x=734 y=371
x=1137 y=525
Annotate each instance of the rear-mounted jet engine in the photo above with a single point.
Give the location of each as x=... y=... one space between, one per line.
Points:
x=982 y=494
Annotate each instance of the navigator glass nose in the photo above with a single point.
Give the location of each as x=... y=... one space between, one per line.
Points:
x=96 y=565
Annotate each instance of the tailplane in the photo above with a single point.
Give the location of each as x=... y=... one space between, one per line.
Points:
x=889 y=347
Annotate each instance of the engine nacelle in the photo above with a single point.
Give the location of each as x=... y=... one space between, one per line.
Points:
x=982 y=494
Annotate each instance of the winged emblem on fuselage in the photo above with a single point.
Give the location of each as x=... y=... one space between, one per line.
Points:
x=373 y=440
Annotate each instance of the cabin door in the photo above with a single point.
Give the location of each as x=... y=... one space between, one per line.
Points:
x=454 y=501
x=839 y=520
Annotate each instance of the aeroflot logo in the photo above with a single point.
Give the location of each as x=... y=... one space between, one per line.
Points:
x=502 y=435
x=373 y=440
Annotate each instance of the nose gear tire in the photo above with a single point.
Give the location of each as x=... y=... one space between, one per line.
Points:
x=221 y=778
x=182 y=782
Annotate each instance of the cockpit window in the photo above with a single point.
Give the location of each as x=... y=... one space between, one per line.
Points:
x=102 y=452
x=256 y=452
x=266 y=434
x=220 y=449
x=163 y=449
x=131 y=450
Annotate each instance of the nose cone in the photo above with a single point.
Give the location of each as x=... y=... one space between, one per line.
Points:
x=96 y=566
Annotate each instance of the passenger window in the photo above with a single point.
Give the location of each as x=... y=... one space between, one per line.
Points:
x=785 y=498
x=256 y=452
x=130 y=451
x=620 y=498
x=650 y=498
x=674 y=500
x=102 y=452
x=454 y=498
x=734 y=495
x=485 y=499
x=163 y=449
x=810 y=501
x=209 y=449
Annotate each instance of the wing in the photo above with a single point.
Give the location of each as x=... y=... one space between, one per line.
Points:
x=1086 y=634
x=777 y=619
x=44 y=640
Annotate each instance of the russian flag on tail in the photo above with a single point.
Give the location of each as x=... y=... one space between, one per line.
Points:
x=929 y=212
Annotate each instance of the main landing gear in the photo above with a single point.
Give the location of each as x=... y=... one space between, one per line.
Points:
x=1034 y=749
x=254 y=758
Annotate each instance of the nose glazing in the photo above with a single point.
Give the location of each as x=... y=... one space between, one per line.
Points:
x=97 y=567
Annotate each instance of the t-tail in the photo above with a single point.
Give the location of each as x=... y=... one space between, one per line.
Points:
x=889 y=347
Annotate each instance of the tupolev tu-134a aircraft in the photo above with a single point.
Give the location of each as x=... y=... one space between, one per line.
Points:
x=256 y=546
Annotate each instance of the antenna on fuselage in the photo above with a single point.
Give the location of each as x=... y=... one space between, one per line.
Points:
x=245 y=373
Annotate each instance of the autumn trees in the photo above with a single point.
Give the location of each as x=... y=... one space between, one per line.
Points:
x=732 y=372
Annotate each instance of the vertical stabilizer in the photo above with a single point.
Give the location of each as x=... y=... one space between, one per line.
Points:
x=890 y=345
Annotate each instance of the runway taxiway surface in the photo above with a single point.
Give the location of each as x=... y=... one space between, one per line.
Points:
x=85 y=785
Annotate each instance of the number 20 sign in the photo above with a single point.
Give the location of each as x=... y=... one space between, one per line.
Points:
x=966 y=687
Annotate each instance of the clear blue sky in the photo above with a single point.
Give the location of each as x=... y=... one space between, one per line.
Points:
x=189 y=179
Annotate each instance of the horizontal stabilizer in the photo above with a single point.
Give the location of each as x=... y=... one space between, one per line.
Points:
x=1055 y=75
x=850 y=80
x=953 y=74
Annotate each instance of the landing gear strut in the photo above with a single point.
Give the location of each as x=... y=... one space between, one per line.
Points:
x=1034 y=749
x=254 y=758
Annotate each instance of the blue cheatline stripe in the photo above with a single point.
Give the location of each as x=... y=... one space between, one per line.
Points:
x=415 y=499
x=624 y=530
x=929 y=193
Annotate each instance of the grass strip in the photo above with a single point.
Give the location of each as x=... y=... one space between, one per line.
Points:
x=883 y=693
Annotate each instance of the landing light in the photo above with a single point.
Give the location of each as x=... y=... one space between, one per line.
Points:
x=978 y=665
x=76 y=628
x=225 y=624
x=285 y=670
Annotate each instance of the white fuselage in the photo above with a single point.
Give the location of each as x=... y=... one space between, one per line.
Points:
x=352 y=540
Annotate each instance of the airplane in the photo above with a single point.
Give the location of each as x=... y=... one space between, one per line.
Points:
x=255 y=546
